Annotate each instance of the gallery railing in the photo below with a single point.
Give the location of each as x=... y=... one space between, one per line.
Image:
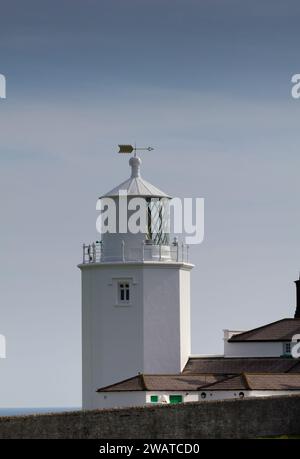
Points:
x=176 y=252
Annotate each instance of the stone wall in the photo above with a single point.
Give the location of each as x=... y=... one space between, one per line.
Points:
x=246 y=418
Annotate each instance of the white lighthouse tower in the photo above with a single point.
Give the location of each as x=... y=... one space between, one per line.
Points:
x=135 y=296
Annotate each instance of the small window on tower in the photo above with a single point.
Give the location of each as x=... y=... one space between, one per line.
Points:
x=124 y=292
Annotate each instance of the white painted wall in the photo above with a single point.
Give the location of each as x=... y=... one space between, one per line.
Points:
x=140 y=398
x=192 y=396
x=166 y=317
x=120 y=399
x=112 y=336
x=223 y=395
x=185 y=316
x=269 y=393
x=149 y=335
x=248 y=349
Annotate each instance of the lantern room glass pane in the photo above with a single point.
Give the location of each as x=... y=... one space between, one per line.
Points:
x=158 y=221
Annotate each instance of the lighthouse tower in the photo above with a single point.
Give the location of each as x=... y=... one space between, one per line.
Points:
x=135 y=295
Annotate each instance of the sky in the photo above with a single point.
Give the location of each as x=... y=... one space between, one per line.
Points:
x=208 y=84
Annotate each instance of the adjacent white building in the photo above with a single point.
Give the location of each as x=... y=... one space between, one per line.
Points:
x=271 y=340
x=165 y=389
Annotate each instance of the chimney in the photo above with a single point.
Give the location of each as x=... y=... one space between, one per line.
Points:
x=297 y=313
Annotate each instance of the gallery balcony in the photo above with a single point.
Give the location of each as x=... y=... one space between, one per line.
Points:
x=147 y=251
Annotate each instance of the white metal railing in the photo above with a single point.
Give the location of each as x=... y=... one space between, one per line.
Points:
x=92 y=253
x=176 y=252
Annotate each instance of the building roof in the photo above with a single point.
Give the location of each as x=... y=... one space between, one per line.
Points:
x=258 y=381
x=276 y=381
x=243 y=381
x=281 y=330
x=238 y=365
x=162 y=382
x=231 y=383
x=136 y=185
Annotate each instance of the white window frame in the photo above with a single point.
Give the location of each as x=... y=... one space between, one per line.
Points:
x=125 y=291
x=116 y=298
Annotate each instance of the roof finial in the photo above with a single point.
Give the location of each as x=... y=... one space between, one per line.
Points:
x=135 y=163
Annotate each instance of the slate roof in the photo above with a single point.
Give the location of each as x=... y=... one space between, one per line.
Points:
x=231 y=383
x=238 y=365
x=281 y=330
x=258 y=381
x=163 y=382
x=244 y=381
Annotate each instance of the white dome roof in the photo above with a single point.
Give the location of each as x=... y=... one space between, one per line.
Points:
x=135 y=185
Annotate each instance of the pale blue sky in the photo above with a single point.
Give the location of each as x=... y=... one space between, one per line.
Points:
x=208 y=85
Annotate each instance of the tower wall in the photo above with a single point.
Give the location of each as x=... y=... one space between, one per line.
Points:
x=112 y=335
x=149 y=335
x=185 y=315
x=166 y=318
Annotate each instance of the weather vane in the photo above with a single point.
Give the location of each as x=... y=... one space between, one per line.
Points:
x=130 y=149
